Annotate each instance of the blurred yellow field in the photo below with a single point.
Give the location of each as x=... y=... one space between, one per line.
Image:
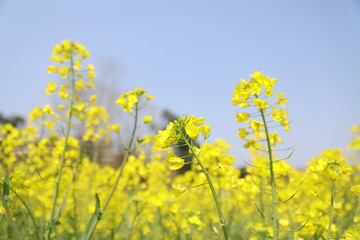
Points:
x=173 y=184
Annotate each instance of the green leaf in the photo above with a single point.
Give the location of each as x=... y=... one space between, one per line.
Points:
x=95 y=218
x=97 y=206
x=58 y=213
x=6 y=186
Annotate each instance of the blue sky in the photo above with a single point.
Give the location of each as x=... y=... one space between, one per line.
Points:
x=191 y=54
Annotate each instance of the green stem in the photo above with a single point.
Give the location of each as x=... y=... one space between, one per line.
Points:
x=213 y=191
x=9 y=216
x=331 y=211
x=127 y=155
x=30 y=214
x=272 y=179
x=137 y=213
x=87 y=235
x=62 y=158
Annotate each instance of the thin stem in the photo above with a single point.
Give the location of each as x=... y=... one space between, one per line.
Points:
x=127 y=155
x=30 y=214
x=129 y=151
x=62 y=158
x=9 y=216
x=272 y=179
x=137 y=213
x=213 y=191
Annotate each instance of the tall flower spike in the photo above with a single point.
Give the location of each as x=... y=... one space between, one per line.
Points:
x=257 y=93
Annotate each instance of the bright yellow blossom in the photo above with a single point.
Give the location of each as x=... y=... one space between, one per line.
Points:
x=192 y=130
x=274 y=138
x=63 y=71
x=147 y=119
x=116 y=127
x=52 y=69
x=51 y=87
x=281 y=99
x=178 y=189
x=256 y=126
x=242 y=117
x=79 y=85
x=175 y=161
x=261 y=104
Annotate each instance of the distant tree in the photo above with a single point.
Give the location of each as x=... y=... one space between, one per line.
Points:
x=16 y=120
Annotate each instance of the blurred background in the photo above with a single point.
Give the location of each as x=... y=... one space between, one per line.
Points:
x=191 y=54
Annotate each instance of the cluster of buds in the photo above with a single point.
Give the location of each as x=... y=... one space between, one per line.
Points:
x=331 y=164
x=185 y=128
x=70 y=55
x=129 y=99
x=257 y=92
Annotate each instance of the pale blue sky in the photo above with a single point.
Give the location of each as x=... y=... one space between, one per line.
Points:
x=190 y=54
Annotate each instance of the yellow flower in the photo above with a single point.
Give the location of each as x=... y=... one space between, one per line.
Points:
x=242 y=117
x=147 y=119
x=67 y=44
x=63 y=71
x=92 y=74
x=242 y=133
x=58 y=48
x=281 y=100
x=354 y=145
x=35 y=113
x=50 y=125
x=48 y=109
x=61 y=107
x=226 y=160
x=261 y=104
x=274 y=138
x=128 y=100
x=205 y=129
x=148 y=96
x=52 y=69
x=92 y=98
x=178 y=189
x=90 y=67
x=91 y=84
x=77 y=64
x=175 y=161
x=192 y=130
x=256 y=126
x=81 y=50
x=116 y=127
x=236 y=182
x=79 y=85
x=356 y=189
x=355 y=129
x=63 y=92
x=56 y=59
x=166 y=137
x=51 y=87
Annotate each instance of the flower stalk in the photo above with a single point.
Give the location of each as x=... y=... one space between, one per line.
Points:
x=272 y=179
x=53 y=219
x=212 y=188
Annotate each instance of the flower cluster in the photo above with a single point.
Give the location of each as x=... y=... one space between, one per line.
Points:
x=188 y=127
x=129 y=99
x=331 y=163
x=255 y=93
x=70 y=55
x=66 y=142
